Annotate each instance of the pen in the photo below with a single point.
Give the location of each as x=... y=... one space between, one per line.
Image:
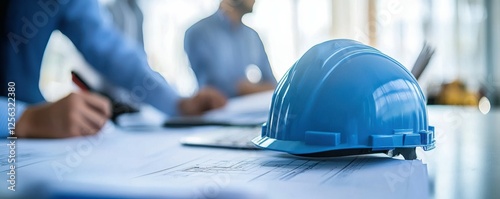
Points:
x=118 y=108
x=79 y=82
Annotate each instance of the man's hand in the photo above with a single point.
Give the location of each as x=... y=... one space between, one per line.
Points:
x=245 y=87
x=75 y=115
x=206 y=99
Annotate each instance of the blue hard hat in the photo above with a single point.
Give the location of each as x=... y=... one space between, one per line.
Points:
x=344 y=98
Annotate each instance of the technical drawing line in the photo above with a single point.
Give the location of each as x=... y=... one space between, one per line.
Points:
x=343 y=168
x=155 y=172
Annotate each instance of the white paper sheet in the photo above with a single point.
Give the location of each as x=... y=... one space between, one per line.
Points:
x=243 y=105
x=248 y=109
x=245 y=110
x=121 y=162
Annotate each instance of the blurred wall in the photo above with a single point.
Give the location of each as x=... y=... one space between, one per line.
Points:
x=458 y=29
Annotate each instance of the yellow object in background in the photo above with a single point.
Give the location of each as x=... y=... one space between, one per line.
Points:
x=455 y=93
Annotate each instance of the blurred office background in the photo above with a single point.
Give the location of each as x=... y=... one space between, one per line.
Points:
x=463 y=33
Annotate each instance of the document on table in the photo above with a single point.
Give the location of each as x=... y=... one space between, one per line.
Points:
x=152 y=162
x=245 y=105
x=239 y=111
x=285 y=176
x=245 y=110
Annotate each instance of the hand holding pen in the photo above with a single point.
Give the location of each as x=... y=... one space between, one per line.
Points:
x=80 y=113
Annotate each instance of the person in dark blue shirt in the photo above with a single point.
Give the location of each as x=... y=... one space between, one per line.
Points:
x=27 y=26
x=224 y=53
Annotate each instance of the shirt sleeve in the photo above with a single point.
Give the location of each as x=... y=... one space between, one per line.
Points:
x=4 y=115
x=264 y=65
x=196 y=51
x=118 y=60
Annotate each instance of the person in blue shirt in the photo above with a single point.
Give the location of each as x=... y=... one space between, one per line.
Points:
x=221 y=49
x=26 y=27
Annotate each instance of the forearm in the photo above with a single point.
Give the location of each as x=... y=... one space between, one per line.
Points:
x=153 y=89
x=118 y=60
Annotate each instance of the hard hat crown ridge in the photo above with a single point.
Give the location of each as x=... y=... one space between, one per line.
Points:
x=342 y=97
